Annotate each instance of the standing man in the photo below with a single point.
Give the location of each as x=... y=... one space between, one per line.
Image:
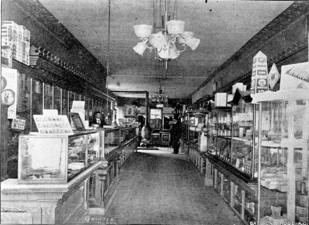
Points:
x=176 y=134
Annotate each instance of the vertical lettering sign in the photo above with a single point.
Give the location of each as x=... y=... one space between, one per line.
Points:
x=259 y=73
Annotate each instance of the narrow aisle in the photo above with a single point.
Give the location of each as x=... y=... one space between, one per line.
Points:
x=162 y=188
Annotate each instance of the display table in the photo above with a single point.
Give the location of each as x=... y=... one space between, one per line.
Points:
x=48 y=203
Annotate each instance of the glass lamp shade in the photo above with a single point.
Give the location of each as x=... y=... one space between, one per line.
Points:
x=140 y=48
x=142 y=30
x=187 y=34
x=157 y=40
x=188 y=39
x=193 y=43
x=173 y=52
x=175 y=26
x=164 y=52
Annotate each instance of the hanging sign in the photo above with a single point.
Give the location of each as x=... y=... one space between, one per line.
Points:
x=18 y=124
x=259 y=73
x=273 y=76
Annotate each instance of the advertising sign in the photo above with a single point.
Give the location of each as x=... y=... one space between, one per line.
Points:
x=259 y=73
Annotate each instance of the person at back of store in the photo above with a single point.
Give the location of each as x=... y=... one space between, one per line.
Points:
x=176 y=132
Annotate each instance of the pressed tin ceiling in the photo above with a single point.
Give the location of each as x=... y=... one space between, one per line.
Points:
x=222 y=26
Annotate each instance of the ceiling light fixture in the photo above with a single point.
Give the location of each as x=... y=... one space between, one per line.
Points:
x=167 y=41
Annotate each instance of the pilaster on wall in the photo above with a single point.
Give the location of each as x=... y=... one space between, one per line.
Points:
x=284 y=40
x=47 y=32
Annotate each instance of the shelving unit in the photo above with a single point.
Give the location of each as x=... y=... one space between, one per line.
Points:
x=230 y=151
x=283 y=164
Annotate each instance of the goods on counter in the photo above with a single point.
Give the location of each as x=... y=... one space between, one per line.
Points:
x=76 y=166
x=267 y=220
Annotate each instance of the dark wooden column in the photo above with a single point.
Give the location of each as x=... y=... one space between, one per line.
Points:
x=4 y=133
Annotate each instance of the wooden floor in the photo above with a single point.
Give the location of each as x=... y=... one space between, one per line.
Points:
x=157 y=187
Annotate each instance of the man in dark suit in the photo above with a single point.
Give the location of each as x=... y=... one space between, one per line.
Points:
x=176 y=132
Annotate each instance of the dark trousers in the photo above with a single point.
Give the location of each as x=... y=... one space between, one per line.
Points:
x=176 y=146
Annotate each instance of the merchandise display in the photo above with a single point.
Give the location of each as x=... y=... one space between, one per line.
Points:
x=242 y=154
x=114 y=137
x=71 y=154
x=284 y=163
x=17 y=39
x=230 y=133
x=219 y=133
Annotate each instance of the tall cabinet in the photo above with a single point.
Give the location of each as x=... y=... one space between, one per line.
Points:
x=231 y=153
x=283 y=155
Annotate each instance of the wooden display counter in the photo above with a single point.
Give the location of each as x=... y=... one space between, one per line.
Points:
x=88 y=193
x=48 y=203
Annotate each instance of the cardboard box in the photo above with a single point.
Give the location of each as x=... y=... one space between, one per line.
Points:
x=17 y=38
x=221 y=99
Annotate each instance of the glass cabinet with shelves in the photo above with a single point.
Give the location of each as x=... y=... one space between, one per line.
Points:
x=243 y=156
x=219 y=133
x=57 y=158
x=283 y=150
x=212 y=134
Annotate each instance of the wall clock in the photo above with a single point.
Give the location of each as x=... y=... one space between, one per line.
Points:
x=8 y=97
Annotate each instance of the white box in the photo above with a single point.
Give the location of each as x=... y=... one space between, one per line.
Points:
x=220 y=99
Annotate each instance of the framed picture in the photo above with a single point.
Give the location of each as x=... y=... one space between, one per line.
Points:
x=76 y=122
x=129 y=111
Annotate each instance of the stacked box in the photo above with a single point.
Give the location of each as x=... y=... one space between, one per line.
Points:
x=221 y=99
x=17 y=38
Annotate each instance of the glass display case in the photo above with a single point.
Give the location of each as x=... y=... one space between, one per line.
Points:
x=57 y=158
x=243 y=156
x=111 y=140
x=226 y=188
x=212 y=134
x=219 y=133
x=236 y=196
x=114 y=137
x=250 y=205
x=283 y=155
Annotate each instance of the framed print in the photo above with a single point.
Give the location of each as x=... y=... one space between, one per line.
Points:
x=129 y=111
x=76 y=122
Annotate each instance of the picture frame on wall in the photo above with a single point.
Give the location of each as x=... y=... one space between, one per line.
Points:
x=129 y=111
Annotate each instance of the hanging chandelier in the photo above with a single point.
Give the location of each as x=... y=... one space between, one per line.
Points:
x=167 y=41
x=159 y=98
